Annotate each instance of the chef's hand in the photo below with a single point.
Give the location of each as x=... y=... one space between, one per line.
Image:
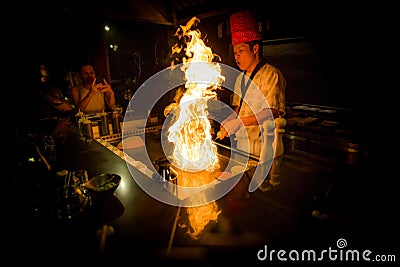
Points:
x=222 y=134
x=232 y=126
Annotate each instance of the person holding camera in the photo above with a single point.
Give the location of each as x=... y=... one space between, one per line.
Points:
x=92 y=96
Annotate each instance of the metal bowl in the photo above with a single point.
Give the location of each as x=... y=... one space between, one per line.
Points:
x=103 y=184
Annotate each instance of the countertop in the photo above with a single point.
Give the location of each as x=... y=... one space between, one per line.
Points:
x=141 y=228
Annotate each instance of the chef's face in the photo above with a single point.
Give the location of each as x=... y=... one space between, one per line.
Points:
x=244 y=56
x=88 y=74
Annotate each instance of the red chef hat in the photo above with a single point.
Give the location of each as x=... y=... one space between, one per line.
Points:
x=244 y=27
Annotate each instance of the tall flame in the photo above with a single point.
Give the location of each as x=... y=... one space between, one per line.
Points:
x=194 y=152
x=191 y=133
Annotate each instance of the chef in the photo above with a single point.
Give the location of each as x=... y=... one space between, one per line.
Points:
x=258 y=100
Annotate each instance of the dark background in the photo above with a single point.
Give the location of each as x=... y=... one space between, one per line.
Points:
x=325 y=50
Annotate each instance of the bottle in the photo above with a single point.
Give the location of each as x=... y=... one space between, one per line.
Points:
x=87 y=126
x=81 y=128
x=104 y=130
x=78 y=116
x=116 y=121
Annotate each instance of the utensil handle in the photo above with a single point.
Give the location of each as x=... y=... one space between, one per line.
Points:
x=103 y=239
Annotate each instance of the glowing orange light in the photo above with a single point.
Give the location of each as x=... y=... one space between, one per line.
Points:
x=191 y=133
x=194 y=152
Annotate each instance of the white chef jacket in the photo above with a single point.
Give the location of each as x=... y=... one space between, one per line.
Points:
x=267 y=90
